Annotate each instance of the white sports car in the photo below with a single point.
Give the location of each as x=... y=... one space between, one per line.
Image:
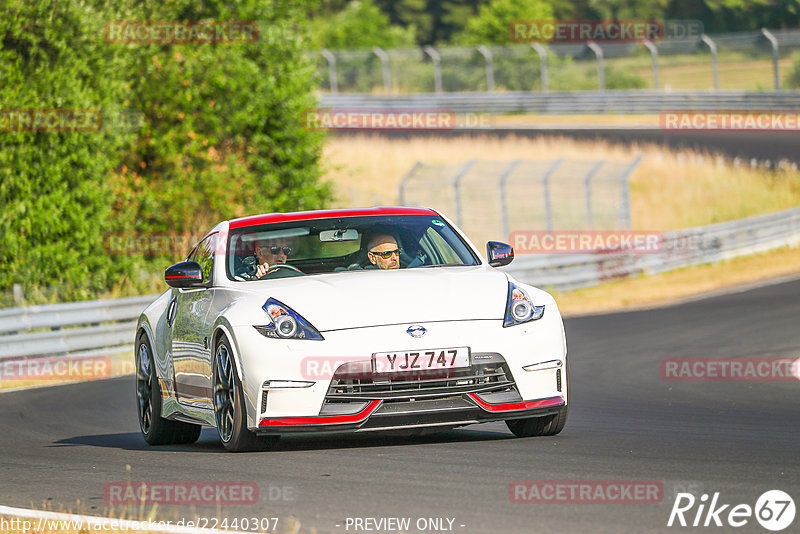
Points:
x=298 y=322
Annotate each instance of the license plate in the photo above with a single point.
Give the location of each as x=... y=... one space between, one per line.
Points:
x=420 y=360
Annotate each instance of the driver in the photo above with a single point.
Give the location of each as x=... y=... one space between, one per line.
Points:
x=383 y=252
x=271 y=252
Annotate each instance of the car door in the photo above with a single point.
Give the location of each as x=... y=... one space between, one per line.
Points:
x=191 y=352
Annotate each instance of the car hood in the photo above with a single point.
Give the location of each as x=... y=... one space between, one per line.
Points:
x=370 y=298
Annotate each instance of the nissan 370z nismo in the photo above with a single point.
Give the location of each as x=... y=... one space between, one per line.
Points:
x=325 y=340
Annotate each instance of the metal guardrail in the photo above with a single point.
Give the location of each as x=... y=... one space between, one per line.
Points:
x=624 y=102
x=682 y=248
x=103 y=326
x=70 y=328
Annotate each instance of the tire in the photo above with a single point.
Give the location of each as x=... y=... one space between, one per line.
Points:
x=229 y=408
x=155 y=429
x=549 y=425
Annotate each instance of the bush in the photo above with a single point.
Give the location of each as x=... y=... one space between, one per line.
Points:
x=54 y=192
x=221 y=135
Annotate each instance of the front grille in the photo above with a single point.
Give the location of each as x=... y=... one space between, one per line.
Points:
x=482 y=377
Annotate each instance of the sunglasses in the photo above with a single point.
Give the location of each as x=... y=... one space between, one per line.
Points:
x=386 y=255
x=277 y=250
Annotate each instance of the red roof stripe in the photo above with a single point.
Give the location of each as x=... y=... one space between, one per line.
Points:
x=268 y=218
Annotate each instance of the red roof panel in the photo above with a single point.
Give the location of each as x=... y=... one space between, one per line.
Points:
x=268 y=218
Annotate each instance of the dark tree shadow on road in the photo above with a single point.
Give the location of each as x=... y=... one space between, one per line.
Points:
x=209 y=440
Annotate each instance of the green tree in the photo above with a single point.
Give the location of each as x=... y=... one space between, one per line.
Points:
x=491 y=24
x=361 y=24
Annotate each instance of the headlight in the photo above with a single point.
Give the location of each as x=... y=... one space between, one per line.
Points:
x=285 y=323
x=520 y=308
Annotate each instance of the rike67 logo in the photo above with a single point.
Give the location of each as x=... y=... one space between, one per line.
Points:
x=774 y=510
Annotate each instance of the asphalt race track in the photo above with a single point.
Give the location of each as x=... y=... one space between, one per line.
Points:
x=61 y=445
x=772 y=146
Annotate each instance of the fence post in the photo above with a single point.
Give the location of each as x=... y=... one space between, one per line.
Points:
x=487 y=55
x=774 y=43
x=384 y=57
x=437 y=66
x=601 y=75
x=548 y=212
x=625 y=212
x=328 y=55
x=503 y=207
x=401 y=187
x=654 y=54
x=587 y=186
x=542 y=51
x=457 y=185
x=713 y=47
x=19 y=298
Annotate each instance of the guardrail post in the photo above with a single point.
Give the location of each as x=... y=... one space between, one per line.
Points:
x=487 y=55
x=774 y=43
x=384 y=57
x=437 y=66
x=334 y=82
x=456 y=188
x=713 y=47
x=587 y=186
x=542 y=51
x=502 y=185
x=653 y=54
x=19 y=298
x=625 y=210
x=401 y=187
x=601 y=75
x=548 y=212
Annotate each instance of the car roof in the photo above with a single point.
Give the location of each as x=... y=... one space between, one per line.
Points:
x=255 y=220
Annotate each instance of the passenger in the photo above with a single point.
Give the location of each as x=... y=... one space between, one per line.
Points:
x=383 y=252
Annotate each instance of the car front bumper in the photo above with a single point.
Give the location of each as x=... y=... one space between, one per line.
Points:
x=294 y=385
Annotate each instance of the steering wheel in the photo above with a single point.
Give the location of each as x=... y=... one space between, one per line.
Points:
x=285 y=266
x=280 y=265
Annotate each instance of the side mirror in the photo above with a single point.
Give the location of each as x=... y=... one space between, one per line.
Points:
x=499 y=254
x=184 y=274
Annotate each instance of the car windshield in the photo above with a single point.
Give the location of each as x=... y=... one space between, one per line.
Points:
x=341 y=244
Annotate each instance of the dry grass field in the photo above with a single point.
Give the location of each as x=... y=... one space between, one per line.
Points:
x=669 y=191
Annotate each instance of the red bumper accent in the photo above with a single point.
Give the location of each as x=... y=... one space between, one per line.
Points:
x=323 y=419
x=512 y=406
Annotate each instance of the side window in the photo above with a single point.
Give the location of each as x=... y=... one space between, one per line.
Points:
x=204 y=255
x=449 y=256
